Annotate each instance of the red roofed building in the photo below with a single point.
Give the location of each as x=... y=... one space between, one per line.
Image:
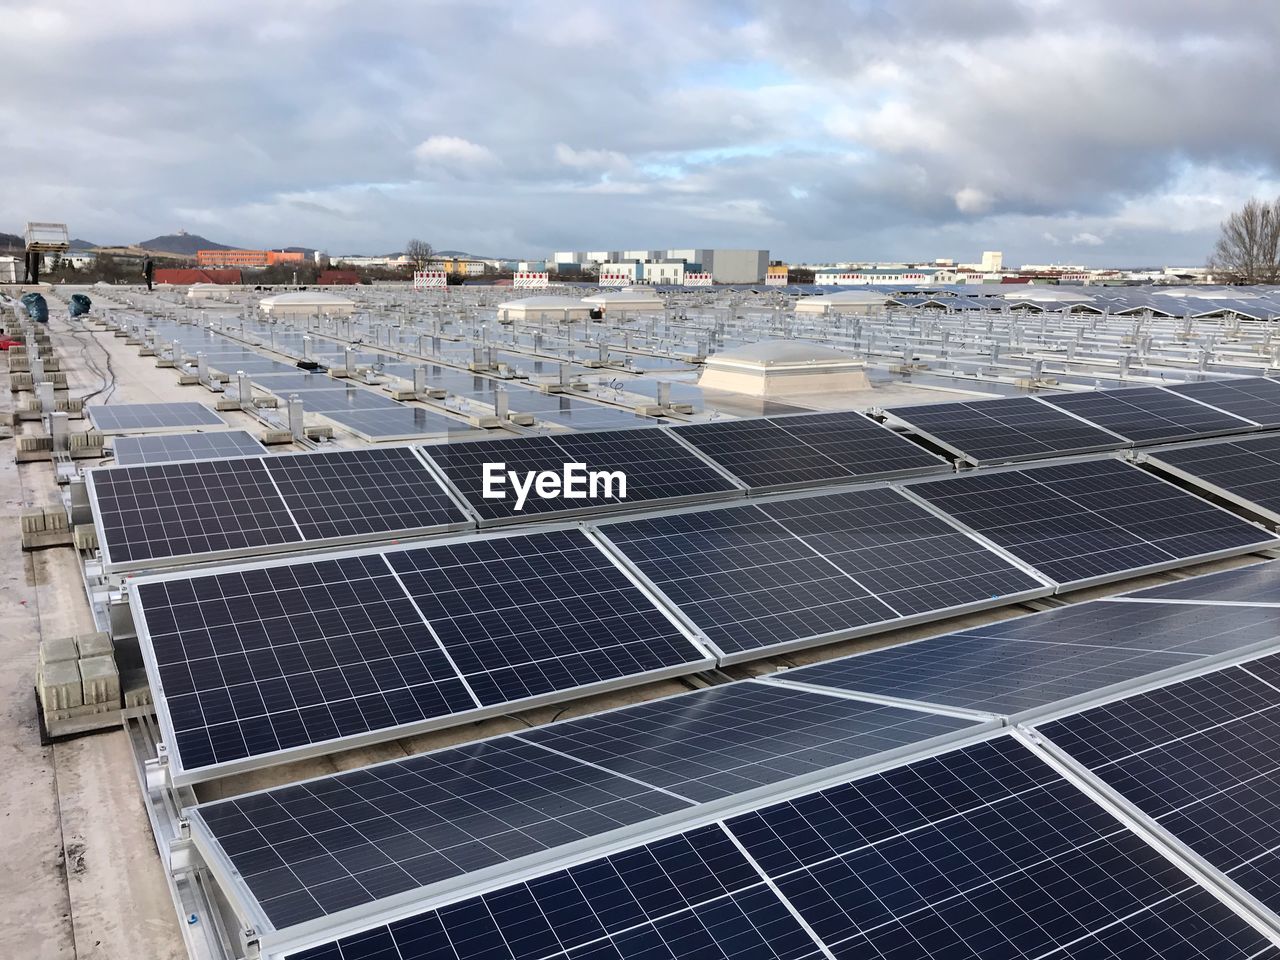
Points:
x=333 y=277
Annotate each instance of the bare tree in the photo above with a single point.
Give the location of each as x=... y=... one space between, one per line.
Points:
x=1248 y=250
x=420 y=252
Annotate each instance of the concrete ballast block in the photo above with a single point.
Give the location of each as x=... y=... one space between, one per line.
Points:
x=100 y=679
x=58 y=650
x=61 y=686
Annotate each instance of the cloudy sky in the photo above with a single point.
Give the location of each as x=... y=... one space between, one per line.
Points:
x=1078 y=132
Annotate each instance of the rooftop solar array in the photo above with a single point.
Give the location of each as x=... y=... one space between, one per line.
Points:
x=980 y=852
x=1258 y=583
x=1246 y=471
x=144 y=417
x=1091 y=521
x=1149 y=414
x=167 y=447
x=256 y=664
x=1253 y=398
x=657 y=467
x=1004 y=430
x=808 y=448
x=1029 y=664
x=167 y=512
x=789 y=573
x=310 y=849
x=1202 y=759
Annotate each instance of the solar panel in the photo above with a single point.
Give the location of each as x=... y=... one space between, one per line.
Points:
x=1253 y=398
x=398 y=422
x=1246 y=471
x=1091 y=521
x=309 y=849
x=657 y=468
x=1256 y=583
x=359 y=492
x=167 y=447
x=1202 y=759
x=524 y=616
x=811 y=570
x=256 y=664
x=337 y=399
x=736 y=737
x=168 y=511
x=1033 y=662
x=807 y=449
x=157 y=511
x=1004 y=430
x=306 y=850
x=982 y=852
x=142 y=417
x=1149 y=414
x=689 y=896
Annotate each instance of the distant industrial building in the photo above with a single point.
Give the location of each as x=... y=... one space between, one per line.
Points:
x=247 y=258
x=666 y=266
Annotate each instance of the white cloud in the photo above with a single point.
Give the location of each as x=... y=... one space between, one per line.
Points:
x=591 y=160
x=1086 y=239
x=972 y=200
x=453 y=154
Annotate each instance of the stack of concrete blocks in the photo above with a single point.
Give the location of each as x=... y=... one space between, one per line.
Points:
x=77 y=678
x=45 y=527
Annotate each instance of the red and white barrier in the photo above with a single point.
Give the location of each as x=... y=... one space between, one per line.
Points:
x=527 y=280
x=430 y=279
x=697 y=279
x=615 y=279
x=775 y=280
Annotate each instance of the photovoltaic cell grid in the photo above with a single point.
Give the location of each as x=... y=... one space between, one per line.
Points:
x=356 y=492
x=1253 y=398
x=737 y=737
x=260 y=661
x=1202 y=758
x=753 y=577
x=1247 y=469
x=997 y=431
x=168 y=447
x=524 y=616
x=1030 y=663
x=982 y=852
x=164 y=510
x=657 y=467
x=807 y=448
x=1149 y=414
x=1079 y=521
x=306 y=850
x=398 y=423
x=309 y=849
x=126 y=417
x=172 y=510
x=1256 y=583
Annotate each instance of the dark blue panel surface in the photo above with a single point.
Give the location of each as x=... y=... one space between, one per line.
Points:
x=310 y=849
x=1034 y=661
x=1148 y=414
x=1078 y=521
x=1202 y=758
x=361 y=492
x=1006 y=429
x=523 y=616
x=736 y=737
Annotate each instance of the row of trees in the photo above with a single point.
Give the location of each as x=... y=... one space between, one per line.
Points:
x=1248 y=249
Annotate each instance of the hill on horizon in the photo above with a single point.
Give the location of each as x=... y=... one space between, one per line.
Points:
x=183 y=244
